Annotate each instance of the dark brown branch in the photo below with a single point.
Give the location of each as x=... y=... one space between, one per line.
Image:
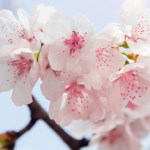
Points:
x=25 y=129
x=39 y=113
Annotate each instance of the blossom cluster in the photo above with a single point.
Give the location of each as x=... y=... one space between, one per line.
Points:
x=103 y=78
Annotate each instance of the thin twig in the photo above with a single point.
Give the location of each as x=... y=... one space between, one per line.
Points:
x=25 y=129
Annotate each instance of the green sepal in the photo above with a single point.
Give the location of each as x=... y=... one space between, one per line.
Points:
x=124 y=45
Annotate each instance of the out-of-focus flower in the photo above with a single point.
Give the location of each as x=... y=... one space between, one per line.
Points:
x=136 y=26
x=125 y=131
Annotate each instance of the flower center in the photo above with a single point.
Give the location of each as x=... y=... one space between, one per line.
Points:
x=75 y=42
x=77 y=98
x=22 y=67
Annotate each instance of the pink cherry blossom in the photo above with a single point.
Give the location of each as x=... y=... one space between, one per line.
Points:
x=108 y=60
x=124 y=131
x=71 y=99
x=14 y=32
x=18 y=37
x=68 y=95
x=19 y=71
x=118 y=138
x=72 y=63
x=24 y=29
x=70 y=43
x=136 y=28
x=132 y=84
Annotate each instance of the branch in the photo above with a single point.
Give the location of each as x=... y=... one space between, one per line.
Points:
x=39 y=113
x=25 y=129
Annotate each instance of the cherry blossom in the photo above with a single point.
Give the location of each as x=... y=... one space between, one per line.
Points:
x=14 y=33
x=108 y=60
x=123 y=131
x=132 y=84
x=136 y=26
x=19 y=71
x=22 y=47
x=25 y=28
x=77 y=103
x=70 y=43
x=71 y=99
x=118 y=137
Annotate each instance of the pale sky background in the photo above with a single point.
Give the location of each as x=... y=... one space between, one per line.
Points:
x=101 y=13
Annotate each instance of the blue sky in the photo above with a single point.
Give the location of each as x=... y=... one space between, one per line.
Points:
x=12 y=117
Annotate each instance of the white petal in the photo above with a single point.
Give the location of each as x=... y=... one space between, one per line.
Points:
x=144 y=93
x=58 y=26
x=6 y=16
x=51 y=86
x=57 y=55
x=109 y=60
x=34 y=72
x=115 y=100
x=6 y=13
x=144 y=60
x=92 y=80
x=24 y=18
x=113 y=30
x=79 y=128
x=22 y=92
x=140 y=47
x=41 y=15
x=82 y=24
x=59 y=114
x=141 y=28
x=131 y=10
x=6 y=77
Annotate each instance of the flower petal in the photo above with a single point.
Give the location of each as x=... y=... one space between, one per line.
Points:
x=7 y=79
x=51 y=86
x=129 y=8
x=22 y=92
